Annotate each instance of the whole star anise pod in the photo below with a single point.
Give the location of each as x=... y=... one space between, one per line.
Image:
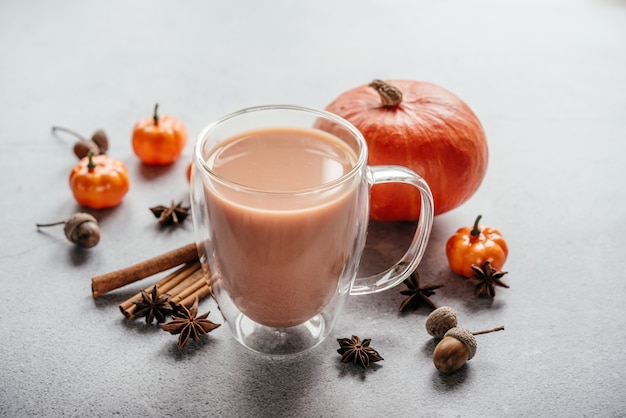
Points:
x=358 y=352
x=152 y=305
x=486 y=279
x=186 y=323
x=417 y=294
x=175 y=214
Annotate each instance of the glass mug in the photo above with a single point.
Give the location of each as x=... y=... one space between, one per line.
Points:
x=280 y=207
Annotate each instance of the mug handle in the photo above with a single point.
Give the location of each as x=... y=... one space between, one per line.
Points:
x=410 y=260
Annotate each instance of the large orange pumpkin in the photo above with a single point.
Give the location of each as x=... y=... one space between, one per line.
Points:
x=421 y=126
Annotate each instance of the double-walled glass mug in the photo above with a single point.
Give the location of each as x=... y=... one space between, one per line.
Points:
x=280 y=206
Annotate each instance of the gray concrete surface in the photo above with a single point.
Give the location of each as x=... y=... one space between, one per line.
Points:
x=546 y=78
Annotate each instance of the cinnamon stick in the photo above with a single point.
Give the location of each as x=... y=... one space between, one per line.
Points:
x=198 y=284
x=202 y=292
x=189 y=282
x=116 y=279
x=183 y=286
x=165 y=285
x=179 y=277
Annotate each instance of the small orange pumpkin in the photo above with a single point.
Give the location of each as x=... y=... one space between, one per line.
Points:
x=99 y=181
x=474 y=246
x=159 y=140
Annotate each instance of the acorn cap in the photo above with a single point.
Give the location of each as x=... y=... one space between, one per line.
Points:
x=87 y=235
x=440 y=321
x=466 y=337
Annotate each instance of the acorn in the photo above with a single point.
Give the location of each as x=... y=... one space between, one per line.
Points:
x=81 y=229
x=101 y=139
x=98 y=144
x=83 y=146
x=440 y=321
x=456 y=348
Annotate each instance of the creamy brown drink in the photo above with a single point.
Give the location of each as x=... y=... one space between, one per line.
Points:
x=280 y=206
x=281 y=259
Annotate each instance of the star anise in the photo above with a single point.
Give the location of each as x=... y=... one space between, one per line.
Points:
x=417 y=294
x=186 y=323
x=357 y=351
x=176 y=213
x=152 y=305
x=486 y=279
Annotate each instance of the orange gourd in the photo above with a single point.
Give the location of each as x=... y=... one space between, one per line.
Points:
x=421 y=126
x=159 y=140
x=474 y=246
x=99 y=181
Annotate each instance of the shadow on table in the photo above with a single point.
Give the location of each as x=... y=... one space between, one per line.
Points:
x=204 y=344
x=444 y=382
x=387 y=242
x=151 y=172
x=353 y=371
x=272 y=387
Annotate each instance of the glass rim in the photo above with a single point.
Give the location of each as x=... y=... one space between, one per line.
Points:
x=203 y=137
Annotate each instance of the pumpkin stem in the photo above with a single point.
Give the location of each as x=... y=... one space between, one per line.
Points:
x=155 y=115
x=390 y=96
x=475 y=231
x=90 y=165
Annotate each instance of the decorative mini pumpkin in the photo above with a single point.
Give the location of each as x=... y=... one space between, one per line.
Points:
x=159 y=140
x=99 y=181
x=421 y=126
x=475 y=245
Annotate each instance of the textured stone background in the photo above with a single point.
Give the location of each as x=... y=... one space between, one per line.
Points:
x=546 y=78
